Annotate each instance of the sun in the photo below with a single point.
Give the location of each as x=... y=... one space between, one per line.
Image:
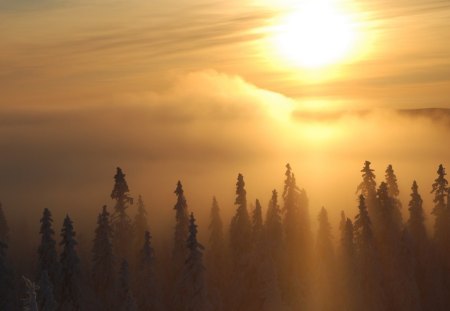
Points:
x=315 y=35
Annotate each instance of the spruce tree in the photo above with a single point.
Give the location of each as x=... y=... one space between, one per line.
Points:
x=192 y=288
x=69 y=284
x=121 y=222
x=125 y=295
x=46 y=298
x=257 y=223
x=179 y=252
x=241 y=250
x=240 y=227
x=47 y=256
x=103 y=261
x=416 y=222
x=147 y=287
x=216 y=258
x=373 y=294
x=274 y=229
x=368 y=187
x=140 y=226
x=442 y=215
x=29 y=302
x=324 y=281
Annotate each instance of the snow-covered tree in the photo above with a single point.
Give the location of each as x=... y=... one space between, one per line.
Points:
x=46 y=299
x=47 y=256
x=121 y=222
x=125 y=295
x=147 y=287
x=29 y=302
x=191 y=287
x=179 y=252
x=103 y=261
x=70 y=276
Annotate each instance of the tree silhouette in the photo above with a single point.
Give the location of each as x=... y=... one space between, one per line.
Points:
x=147 y=288
x=179 y=252
x=140 y=226
x=46 y=298
x=70 y=279
x=103 y=261
x=126 y=298
x=121 y=222
x=47 y=256
x=4 y=229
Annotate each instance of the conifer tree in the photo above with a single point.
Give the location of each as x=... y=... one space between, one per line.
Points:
x=216 y=258
x=388 y=220
x=47 y=256
x=442 y=214
x=240 y=227
x=257 y=223
x=179 y=252
x=29 y=302
x=121 y=221
x=391 y=181
x=103 y=261
x=147 y=289
x=324 y=282
x=416 y=222
x=192 y=289
x=368 y=187
x=369 y=264
x=240 y=243
x=349 y=290
x=297 y=242
x=4 y=229
x=69 y=284
x=125 y=295
x=274 y=229
x=46 y=298
x=140 y=226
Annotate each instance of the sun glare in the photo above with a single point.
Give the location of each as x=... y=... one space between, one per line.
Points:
x=316 y=34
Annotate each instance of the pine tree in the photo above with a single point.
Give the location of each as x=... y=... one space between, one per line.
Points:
x=216 y=258
x=70 y=287
x=416 y=222
x=368 y=187
x=147 y=288
x=442 y=214
x=349 y=291
x=126 y=298
x=47 y=256
x=140 y=226
x=298 y=242
x=121 y=221
x=103 y=261
x=240 y=227
x=241 y=250
x=181 y=229
x=257 y=223
x=274 y=229
x=324 y=282
x=192 y=289
x=373 y=294
x=29 y=302
x=46 y=298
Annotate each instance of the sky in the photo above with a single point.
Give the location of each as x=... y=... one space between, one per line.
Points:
x=199 y=91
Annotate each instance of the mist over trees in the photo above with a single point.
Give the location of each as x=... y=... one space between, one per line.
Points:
x=266 y=258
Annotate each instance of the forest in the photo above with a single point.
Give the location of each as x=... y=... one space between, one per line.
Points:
x=267 y=258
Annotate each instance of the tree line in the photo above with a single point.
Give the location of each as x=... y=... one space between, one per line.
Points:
x=265 y=260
